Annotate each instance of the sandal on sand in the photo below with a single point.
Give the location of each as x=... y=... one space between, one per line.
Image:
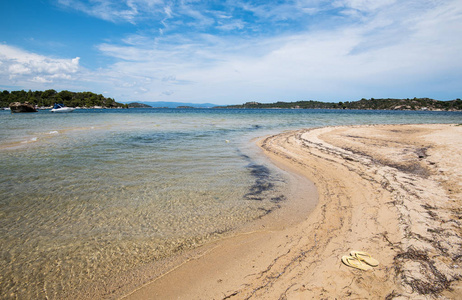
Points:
x=365 y=257
x=355 y=263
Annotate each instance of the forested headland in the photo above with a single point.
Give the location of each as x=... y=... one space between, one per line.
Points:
x=49 y=97
x=376 y=104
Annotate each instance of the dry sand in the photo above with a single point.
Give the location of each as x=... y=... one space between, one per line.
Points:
x=393 y=191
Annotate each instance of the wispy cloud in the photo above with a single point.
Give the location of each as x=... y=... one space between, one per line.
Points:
x=109 y=10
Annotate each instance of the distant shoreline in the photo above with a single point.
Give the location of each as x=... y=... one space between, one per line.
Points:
x=88 y=99
x=425 y=104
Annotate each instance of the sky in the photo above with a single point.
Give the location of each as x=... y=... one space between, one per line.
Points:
x=234 y=51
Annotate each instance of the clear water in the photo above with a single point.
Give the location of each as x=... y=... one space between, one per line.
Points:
x=88 y=196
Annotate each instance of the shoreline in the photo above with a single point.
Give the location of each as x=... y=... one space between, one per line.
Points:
x=227 y=256
x=391 y=190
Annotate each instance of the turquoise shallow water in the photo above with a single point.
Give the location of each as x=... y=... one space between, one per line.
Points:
x=91 y=195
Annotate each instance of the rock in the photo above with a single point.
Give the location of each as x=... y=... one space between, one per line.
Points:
x=18 y=107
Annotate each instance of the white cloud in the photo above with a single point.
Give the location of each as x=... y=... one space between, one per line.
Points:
x=17 y=65
x=16 y=69
x=41 y=79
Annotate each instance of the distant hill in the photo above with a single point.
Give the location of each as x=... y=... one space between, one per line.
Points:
x=178 y=104
x=376 y=104
x=138 y=105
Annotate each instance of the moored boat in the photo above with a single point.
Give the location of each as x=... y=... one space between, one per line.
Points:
x=61 y=108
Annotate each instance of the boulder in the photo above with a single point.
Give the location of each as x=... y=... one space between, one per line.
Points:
x=18 y=107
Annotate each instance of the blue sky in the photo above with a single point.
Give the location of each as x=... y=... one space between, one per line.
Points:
x=234 y=51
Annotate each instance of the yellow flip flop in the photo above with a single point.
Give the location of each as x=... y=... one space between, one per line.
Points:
x=355 y=263
x=365 y=257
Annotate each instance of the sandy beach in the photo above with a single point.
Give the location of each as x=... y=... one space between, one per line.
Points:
x=394 y=191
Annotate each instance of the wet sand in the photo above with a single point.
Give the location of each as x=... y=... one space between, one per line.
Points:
x=394 y=191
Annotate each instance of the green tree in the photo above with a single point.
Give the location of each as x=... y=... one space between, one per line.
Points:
x=48 y=94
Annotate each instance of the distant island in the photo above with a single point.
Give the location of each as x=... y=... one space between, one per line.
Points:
x=46 y=99
x=369 y=104
x=138 y=105
x=164 y=104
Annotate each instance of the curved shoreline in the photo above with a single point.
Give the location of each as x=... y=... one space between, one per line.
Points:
x=393 y=191
x=213 y=269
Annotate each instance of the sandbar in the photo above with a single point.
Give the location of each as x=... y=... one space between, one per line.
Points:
x=393 y=191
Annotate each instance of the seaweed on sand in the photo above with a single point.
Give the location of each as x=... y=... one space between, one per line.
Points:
x=431 y=282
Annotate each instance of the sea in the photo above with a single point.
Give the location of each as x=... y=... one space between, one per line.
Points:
x=91 y=202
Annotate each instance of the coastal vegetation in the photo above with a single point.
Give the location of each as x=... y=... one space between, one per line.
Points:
x=49 y=97
x=376 y=104
x=89 y=100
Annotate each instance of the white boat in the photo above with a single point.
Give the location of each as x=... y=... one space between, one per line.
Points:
x=61 y=108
